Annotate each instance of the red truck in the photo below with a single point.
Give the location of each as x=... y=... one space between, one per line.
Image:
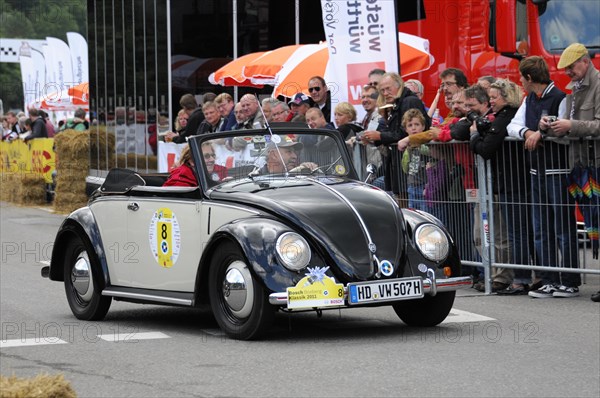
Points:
x=489 y=37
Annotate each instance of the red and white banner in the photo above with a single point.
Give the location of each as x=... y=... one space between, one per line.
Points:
x=168 y=155
x=361 y=35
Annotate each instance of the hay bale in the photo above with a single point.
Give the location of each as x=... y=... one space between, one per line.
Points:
x=102 y=148
x=137 y=162
x=72 y=146
x=23 y=188
x=8 y=187
x=32 y=190
x=66 y=202
x=72 y=153
x=40 y=386
x=70 y=192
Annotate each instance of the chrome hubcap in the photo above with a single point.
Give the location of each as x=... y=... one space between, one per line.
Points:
x=238 y=290
x=81 y=277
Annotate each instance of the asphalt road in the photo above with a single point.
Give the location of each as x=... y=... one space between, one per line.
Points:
x=489 y=345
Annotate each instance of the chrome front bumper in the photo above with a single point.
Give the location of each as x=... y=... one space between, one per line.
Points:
x=431 y=286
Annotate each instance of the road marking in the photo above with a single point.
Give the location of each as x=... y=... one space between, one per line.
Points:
x=460 y=316
x=129 y=337
x=31 y=342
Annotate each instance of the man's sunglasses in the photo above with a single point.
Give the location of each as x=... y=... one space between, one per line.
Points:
x=311 y=89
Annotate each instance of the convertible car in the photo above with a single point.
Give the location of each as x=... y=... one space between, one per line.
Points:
x=277 y=222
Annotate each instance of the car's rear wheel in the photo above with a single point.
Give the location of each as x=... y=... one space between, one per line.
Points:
x=428 y=311
x=238 y=301
x=81 y=285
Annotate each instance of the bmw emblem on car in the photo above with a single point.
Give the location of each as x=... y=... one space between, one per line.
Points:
x=386 y=268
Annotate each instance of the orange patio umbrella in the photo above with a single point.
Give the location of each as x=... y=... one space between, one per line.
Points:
x=309 y=61
x=231 y=73
x=288 y=68
x=314 y=60
x=262 y=70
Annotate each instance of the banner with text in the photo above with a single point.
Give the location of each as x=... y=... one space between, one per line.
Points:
x=79 y=57
x=361 y=36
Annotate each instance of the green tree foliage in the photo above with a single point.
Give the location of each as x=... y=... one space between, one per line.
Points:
x=35 y=19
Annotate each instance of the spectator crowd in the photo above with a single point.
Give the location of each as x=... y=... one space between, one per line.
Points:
x=534 y=137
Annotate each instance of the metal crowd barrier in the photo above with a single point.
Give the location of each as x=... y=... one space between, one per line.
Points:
x=488 y=206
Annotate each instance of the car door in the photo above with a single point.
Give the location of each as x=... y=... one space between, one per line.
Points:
x=110 y=214
x=168 y=242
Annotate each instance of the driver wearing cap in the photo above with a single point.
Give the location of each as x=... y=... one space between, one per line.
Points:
x=283 y=156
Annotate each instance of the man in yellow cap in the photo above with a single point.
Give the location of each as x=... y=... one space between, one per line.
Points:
x=583 y=104
x=583 y=109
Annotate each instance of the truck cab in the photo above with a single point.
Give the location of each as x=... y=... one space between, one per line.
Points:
x=490 y=37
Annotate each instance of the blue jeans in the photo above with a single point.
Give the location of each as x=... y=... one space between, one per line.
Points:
x=518 y=225
x=554 y=223
x=379 y=182
x=416 y=199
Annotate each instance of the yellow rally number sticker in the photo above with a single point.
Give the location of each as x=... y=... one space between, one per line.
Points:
x=309 y=294
x=165 y=237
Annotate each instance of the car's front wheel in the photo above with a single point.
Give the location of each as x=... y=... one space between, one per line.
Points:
x=427 y=311
x=81 y=286
x=239 y=303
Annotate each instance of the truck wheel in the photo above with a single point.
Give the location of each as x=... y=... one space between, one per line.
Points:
x=239 y=303
x=428 y=311
x=81 y=286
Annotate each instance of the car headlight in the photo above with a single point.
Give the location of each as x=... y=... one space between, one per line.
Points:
x=293 y=251
x=432 y=242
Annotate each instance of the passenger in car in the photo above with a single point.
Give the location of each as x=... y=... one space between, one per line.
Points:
x=284 y=156
x=215 y=172
x=183 y=175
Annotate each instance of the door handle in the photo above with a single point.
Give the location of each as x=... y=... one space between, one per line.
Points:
x=133 y=206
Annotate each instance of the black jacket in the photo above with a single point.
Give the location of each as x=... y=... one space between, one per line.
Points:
x=509 y=172
x=38 y=129
x=193 y=124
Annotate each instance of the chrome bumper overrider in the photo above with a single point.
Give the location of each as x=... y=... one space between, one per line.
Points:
x=431 y=286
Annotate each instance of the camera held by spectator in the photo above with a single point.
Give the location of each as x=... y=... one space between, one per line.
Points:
x=483 y=123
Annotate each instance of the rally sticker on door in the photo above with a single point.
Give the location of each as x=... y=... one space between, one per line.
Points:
x=165 y=237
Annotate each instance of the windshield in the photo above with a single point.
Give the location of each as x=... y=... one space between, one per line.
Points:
x=258 y=156
x=570 y=21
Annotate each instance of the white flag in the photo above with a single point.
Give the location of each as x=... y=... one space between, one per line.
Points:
x=61 y=63
x=361 y=36
x=51 y=84
x=79 y=57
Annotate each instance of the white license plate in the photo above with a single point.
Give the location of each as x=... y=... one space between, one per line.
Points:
x=388 y=290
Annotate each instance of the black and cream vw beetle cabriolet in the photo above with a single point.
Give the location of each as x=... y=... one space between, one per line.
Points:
x=278 y=221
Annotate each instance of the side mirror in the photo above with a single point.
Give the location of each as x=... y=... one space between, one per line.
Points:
x=505 y=26
x=371 y=169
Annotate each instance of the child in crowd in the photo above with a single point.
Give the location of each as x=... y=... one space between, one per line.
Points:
x=414 y=160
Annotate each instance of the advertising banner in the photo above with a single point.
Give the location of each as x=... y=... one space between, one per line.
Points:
x=361 y=35
x=79 y=57
x=59 y=63
x=168 y=154
x=35 y=156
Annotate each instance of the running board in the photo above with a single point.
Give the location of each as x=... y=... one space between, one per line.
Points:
x=150 y=296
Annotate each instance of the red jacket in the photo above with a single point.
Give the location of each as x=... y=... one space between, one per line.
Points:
x=219 y=171
x=181 y=176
